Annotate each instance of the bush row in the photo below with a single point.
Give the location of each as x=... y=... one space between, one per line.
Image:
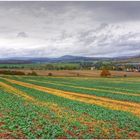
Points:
x=9 y=72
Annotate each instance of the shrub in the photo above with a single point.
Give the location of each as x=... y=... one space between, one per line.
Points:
x=8 y=72
x=18 y=73
x=78 y=74
x=105 y=73
x=33 y=73
x=49 y=74
x=124 y=75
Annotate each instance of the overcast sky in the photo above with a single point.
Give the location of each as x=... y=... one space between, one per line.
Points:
x=53 y=29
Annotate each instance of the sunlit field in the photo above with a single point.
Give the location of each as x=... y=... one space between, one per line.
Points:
x=69 y=107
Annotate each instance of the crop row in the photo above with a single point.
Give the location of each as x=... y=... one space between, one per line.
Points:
x=106 y=83
x=86 y=90
x=51 y=116
x=125 y=121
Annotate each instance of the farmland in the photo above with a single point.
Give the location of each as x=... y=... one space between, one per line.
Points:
x=69 y=107
x=76 y=73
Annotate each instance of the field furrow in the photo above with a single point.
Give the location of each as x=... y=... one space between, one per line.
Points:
x=92 y=89
x=98 y=83
x=63 y=113
x=91 y=99
x=54 y=107
x=66 y=87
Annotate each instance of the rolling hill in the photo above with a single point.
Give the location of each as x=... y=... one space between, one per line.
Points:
x=68 y=58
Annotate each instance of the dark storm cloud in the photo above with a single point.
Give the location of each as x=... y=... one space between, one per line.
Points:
x=77 y=28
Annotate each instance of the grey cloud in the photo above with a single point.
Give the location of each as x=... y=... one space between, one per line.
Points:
x=76 y=28
x=22 y=35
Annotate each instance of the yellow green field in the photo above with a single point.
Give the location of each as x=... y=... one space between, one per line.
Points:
x=69 y=107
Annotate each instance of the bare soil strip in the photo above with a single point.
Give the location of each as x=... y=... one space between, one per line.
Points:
x=91 y=99
x=92 y=89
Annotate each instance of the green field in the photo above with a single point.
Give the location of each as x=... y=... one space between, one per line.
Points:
x=42 y=66
x=69 y=107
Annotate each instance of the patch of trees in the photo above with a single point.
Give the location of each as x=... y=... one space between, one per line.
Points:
x=60 y=67
x=8 y=72
x=11 y=72
x=33 y=73
x=83 y=65
x=86 y=65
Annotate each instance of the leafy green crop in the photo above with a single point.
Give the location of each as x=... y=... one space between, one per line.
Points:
x=65 y=118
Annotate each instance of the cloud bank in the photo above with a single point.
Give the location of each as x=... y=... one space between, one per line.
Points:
x=53 y=29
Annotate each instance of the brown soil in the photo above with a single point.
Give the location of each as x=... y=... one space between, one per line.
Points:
x=5 y=135
x=80 y=73
x=1 y=115
x=1 y=124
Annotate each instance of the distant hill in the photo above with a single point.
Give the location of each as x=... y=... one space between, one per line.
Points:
x=66 y=58
x=130 y=59
x=15 y=61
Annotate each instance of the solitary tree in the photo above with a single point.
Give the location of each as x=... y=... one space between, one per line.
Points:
x=105 y=73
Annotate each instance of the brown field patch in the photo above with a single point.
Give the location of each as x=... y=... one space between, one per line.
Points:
x=81 y=73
